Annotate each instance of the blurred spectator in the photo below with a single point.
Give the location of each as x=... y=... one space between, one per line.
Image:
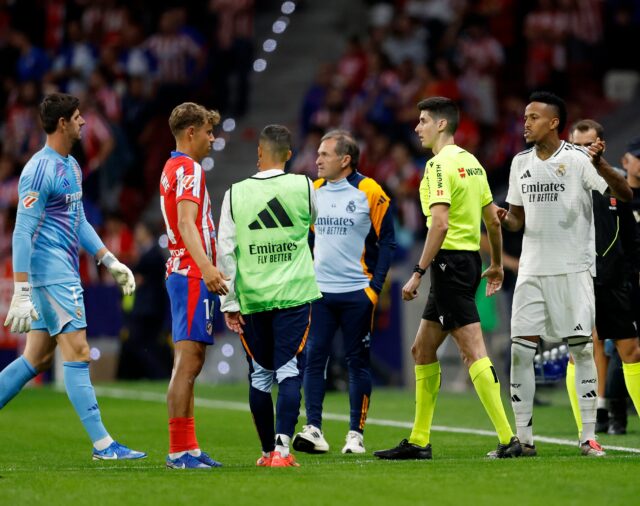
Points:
x=480 y=57
x=8 y=182
x=315 y=97
x=407 y=41
x=178 y=56
x=233 y=55
x=145 y=352
x=352 y=67
x=73 y=65
x=305 y=159
x=33 y=62
x=118 y=239
x=546 y=29
x=23 y=135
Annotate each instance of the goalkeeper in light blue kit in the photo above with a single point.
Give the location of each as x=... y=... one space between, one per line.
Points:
x=47 y=301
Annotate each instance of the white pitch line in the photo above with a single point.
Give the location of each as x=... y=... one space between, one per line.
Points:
x=119 y=393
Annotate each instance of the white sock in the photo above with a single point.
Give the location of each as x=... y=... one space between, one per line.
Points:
x=523 y=387
x=601 y=403
x=586 y=386
x=282 y=444
x=195 y=453
x=176 y=455
x=103 y=443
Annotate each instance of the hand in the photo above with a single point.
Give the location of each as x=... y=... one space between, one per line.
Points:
x=21 y=310
x=595 y=150
x=410 y=289
x=215 y=280
x=502 y=213
x=234 y=321
x=120 y=272
x=494 y=275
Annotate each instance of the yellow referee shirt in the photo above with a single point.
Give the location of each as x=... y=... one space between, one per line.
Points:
x=455 y=177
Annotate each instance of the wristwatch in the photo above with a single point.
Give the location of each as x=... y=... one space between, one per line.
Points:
x=419 y=270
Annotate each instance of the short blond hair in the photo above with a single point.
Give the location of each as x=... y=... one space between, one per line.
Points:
x=191 y=114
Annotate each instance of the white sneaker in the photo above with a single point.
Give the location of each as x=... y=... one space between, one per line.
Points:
x=310 y=440
x=354 y=443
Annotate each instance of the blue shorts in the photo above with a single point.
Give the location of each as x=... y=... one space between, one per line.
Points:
x=192 y=307
x=61 y=308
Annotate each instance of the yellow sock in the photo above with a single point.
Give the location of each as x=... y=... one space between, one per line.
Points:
x=632 y=379
x=485 y=381
x=427 y=388
x=573 y=396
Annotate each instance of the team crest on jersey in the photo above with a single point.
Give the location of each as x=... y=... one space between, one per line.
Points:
x=351 y=207
x=79 y=312
x=560 y=171
x=31 y=198
x=209 y=327
x=187 y=182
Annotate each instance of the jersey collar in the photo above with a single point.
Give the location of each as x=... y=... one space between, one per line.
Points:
x=50 y=151
x=176 y=154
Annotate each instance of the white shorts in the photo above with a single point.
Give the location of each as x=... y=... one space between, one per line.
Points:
x=553 y=307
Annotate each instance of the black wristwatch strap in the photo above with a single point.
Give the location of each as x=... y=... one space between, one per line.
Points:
x=419 y=270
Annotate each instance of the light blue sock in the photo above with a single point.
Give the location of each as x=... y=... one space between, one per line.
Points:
x=83 y=397
x=14 y=377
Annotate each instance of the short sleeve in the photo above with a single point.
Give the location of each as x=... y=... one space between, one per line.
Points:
x=439 y=184
x=514 y=196
x=189 y=182
x=35 y=185
x=487 y=197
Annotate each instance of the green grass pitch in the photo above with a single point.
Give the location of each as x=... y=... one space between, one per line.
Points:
x=45 y=456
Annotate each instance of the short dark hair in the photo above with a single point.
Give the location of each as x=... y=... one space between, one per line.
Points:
x=191 y=114
x=442 y=108
x=584 y=125
x=55 y=106
x=345 y=145
x=553 y=100
x=278 y=138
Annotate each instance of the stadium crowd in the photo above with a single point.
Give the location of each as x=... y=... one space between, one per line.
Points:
x=487 y=55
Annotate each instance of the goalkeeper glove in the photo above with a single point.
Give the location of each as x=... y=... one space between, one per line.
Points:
x=21 y=310
x=120 y=272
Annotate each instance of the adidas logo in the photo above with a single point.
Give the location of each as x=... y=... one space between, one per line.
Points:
x=590 y=395
x=578 y=327
x=272 y=216
x=515 y=398
x=526 y=174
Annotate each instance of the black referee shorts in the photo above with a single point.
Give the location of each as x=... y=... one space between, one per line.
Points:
x=615 y=317
x=455 y=276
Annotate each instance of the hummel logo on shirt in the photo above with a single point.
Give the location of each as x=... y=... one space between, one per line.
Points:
x=526 y=174
x=272 y=216
x=578 y=327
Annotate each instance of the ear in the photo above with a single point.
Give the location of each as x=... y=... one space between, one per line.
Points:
x=289 y=154
x=62 y=123
x=190 y=131
x=259 y=151
x=346 y=161
x=442 y=124
x=554 y=123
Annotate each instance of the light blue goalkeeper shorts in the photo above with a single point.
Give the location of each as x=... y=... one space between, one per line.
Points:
x=61 y=308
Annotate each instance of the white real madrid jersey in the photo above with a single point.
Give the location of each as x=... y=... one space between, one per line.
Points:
x=559 y=233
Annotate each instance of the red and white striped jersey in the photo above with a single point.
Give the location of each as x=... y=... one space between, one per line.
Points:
x=183 y=179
